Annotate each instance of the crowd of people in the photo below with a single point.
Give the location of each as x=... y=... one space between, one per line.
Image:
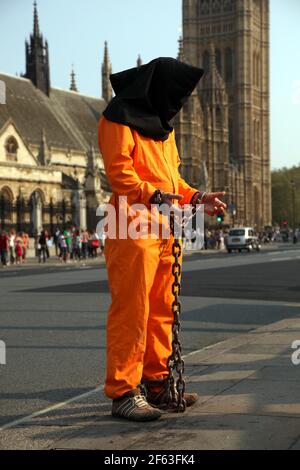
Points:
x=69 y=244
x=74 y=244
x=13 y=247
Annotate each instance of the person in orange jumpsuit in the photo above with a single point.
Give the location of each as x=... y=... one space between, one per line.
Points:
x=140 y=156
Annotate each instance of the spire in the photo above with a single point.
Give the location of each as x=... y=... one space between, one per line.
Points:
x=212 y=85
x=180 y=50
x=139 y=61
x=106 y=72
x=37 y=57
x=36 y=29
x=73 y=86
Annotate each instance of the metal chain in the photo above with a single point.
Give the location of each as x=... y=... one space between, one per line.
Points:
x=175 y=361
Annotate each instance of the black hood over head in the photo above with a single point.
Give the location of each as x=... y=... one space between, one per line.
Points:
x=149 y=97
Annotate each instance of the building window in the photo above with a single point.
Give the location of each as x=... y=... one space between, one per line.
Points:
x=256 y=136
x=231 y=139
x=219 y=60
x=228 y=5
x=11 y=148
x=228 y=64
x=254 y=69
x=258 y=139
x=6 y=199
x=203 y=7
x=257 y=70
x=218 y=118
x=206 y=60
x=216 y=6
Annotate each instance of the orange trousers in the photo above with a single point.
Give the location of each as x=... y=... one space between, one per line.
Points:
x=139 y=325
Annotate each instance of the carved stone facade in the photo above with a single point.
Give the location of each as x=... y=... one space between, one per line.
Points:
x=223 y=131
x=51 y=171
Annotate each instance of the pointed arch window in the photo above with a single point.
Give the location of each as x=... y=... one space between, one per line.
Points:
x=254 y=69
x=6 y=201
x=218 y=118
x=231 y=139
x=206 y=60
x=257 y=70
x=228 y=5
x=219 y=60
x=228 y=64
x=203 y=7
x=11 y=148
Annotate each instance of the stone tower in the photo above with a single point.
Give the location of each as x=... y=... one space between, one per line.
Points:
x=239 y=32
x=37 y=57
x=106 y=72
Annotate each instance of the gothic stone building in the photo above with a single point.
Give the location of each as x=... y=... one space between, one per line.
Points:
x=51 y=172
x=223 y=131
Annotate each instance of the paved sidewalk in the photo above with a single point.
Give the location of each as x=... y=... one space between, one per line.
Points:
x=249 y=399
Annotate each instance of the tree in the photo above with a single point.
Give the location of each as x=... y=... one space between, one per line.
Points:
x=282 y=195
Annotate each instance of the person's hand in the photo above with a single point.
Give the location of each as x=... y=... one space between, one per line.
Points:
x=212 y=203
x=168 y=198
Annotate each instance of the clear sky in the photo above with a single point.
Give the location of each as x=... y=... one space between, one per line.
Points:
x=76 y=31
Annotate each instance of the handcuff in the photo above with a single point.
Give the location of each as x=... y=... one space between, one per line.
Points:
x=156 y=198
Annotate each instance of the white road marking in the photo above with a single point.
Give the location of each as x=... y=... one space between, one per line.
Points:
x=282 y=259
x=192 y=353
x=50 y=408
x=79 y=397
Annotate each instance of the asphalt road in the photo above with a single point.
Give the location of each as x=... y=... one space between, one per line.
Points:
x=52 y=319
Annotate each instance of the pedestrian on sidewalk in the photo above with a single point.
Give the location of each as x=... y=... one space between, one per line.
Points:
x=76 y=245
x=4 y=248
x=12 y=238
x=84 y=243
x=63 y=248
x=25 y=238
x=68 y=239
x=138 y=146
x=55 y=240
x=42 y=247
x=19 y=249
x=95 y=244
x=48 y=243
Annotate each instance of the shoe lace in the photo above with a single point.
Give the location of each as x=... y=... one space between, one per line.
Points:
x=140 y=401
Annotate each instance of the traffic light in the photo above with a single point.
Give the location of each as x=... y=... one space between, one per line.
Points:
x=220 y=218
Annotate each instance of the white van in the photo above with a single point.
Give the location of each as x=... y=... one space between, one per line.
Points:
x=242 y=238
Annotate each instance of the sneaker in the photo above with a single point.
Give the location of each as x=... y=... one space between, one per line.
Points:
x=162 y=398
x=134 y=406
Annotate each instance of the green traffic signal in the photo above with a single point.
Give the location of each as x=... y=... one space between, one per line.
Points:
x=220 y=218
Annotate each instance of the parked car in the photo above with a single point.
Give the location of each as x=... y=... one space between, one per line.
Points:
x=242 y=238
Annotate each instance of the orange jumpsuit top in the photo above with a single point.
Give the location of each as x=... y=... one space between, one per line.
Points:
x=136 y=165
